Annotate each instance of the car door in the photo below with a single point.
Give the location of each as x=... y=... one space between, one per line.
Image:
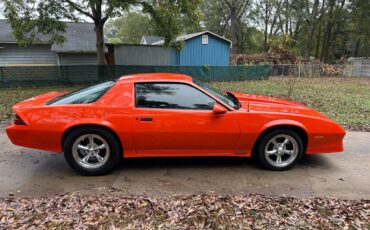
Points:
x=176 y=118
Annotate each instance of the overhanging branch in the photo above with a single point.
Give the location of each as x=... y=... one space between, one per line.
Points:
x=78 y=8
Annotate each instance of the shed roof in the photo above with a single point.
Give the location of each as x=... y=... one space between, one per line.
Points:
x=190 y=36
x=150 y=39
x=79 y=37
x=6 y=34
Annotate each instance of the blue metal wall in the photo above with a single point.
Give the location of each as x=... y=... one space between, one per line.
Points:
x=194 y=53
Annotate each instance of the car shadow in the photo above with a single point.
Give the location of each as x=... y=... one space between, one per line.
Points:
x=57 y=165
x=214 y=162
x=187 y=162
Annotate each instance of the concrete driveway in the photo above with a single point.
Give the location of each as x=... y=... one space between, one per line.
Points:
x=27 y=172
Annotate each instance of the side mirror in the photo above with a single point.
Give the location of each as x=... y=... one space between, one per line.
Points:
x=219 y=109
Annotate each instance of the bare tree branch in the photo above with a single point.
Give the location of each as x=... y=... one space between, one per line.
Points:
x=79 y=9
x=228 y=3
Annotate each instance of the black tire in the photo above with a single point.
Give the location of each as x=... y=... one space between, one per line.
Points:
x=113 y=159
x=261 y=149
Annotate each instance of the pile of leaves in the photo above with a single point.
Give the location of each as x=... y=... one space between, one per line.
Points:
x=332 y=70
x=207 y=211
x=255 y=59
x=274 y=56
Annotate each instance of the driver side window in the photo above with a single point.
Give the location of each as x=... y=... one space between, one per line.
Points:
x=171 y=96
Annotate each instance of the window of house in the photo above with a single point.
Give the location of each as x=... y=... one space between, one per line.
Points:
x=205 y=39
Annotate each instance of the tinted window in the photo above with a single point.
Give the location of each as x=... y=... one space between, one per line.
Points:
x=171 y=96
x=217 y=94
x=83 y=96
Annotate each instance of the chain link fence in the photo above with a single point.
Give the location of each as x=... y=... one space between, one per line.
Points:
x=316 y=70
x=28 y=76
x=35 y=76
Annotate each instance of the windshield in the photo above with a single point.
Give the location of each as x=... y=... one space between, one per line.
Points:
x=228 y=100
x=83 y=96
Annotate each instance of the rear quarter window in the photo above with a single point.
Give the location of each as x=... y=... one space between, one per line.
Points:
x=83 y=96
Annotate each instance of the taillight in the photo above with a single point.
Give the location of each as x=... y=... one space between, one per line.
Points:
x=18 y=120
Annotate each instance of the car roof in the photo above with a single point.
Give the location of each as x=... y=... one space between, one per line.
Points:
x=156 y=77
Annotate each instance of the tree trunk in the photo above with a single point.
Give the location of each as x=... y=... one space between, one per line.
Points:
x=266 y=20
x=308 y=46
x=327 y=46
x=234 y=29
x=265 y=43
x=357 y=47
x=318 y=40
x=323 y=44
x=287 y=16
x=327 y=34
x=100 y=46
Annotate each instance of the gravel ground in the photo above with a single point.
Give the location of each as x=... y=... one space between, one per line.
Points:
x=207 y=211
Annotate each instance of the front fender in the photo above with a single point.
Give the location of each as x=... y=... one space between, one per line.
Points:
x=283 y=122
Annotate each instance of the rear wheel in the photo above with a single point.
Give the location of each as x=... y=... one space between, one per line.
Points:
x=280 y=149
x=92 y=151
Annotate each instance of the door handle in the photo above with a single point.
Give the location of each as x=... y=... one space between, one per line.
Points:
x=146 y=119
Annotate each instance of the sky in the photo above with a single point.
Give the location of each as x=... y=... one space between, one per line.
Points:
x=1 y=11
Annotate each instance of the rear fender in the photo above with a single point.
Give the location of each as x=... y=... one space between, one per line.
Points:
x=89 y=122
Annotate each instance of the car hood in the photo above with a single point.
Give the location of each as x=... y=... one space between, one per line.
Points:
x=257 y=103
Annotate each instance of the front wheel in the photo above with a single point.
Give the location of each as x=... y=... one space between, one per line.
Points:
x=92 y=151
x=280 y=149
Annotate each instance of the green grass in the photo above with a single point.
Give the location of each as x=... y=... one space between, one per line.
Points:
x=345 y=100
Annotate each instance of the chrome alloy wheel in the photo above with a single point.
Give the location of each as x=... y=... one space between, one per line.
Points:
x=90 y=151
x=281 y=150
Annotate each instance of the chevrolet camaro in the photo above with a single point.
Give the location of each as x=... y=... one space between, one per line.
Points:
x=169 y=115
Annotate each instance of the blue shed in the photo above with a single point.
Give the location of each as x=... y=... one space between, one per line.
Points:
x=202 y=48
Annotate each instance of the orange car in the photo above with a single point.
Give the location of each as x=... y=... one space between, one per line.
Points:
x=169 y=115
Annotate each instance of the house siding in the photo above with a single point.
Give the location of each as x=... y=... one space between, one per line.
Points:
x=175 y=57
x=194 y=53
x=142 y=55
x=35 y=54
